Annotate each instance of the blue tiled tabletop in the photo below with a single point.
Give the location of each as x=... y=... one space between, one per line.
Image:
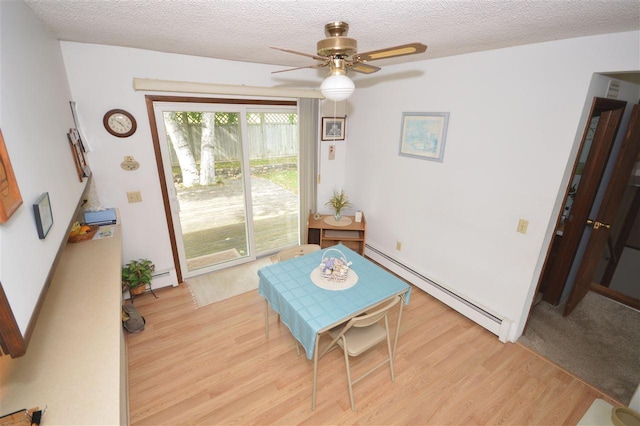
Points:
x=308 y=309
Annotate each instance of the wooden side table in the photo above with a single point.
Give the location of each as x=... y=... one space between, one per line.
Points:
x=326 y=232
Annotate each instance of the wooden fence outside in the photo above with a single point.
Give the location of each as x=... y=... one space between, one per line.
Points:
x=266 y=140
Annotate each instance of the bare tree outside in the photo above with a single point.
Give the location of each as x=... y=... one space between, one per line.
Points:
x=180 y=142
x=207 y=147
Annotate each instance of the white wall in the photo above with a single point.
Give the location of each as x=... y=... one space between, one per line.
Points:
x=35 y=118
x=514 y=120
x=101 y=78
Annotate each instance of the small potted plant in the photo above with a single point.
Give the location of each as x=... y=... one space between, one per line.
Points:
x=136 y=275
x=338 y=202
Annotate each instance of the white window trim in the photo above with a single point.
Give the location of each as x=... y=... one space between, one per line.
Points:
x=153 y=85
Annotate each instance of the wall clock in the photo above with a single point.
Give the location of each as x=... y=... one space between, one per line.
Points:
x=119 y=123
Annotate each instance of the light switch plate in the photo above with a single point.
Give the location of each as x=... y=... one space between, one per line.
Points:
x=522 y=226
x=134 y=197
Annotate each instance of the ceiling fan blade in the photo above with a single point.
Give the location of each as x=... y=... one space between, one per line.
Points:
x=308 y=55
x=364 y=68
x=301 y=68
x=390 y=52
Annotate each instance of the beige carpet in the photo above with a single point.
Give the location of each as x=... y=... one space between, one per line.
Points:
x=226 y=283
x=599 y=342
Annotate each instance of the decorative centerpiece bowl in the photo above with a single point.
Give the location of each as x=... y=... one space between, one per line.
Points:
x=334 y=268
x=87 y=234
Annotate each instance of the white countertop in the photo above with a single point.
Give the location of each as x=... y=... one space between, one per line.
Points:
x=73 y=364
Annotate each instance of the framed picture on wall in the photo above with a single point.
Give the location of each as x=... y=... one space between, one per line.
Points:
x=333 y=128
x=423 y=135
x=83 y=140
x=44 y=215
x=82 y=167
x=10 y=198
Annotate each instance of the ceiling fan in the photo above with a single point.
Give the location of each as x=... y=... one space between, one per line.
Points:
x=340 y=54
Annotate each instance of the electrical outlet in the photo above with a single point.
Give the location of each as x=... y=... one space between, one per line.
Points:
x=398 y=246
x=134 y=197
x=332 y=152
x=522 y=226
x=129 y=158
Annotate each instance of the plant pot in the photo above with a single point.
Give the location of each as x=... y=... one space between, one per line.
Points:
x=134 y=291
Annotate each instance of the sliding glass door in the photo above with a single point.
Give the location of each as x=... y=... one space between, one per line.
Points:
x=231 y=174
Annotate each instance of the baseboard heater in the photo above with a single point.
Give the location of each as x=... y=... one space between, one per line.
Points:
x=498 y=326
x=164 y=278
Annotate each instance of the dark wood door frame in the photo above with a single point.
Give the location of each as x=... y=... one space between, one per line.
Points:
x=610 y=113
x=624 y=163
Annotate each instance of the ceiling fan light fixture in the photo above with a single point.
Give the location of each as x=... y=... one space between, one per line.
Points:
x=337 y=87
x=340 y=53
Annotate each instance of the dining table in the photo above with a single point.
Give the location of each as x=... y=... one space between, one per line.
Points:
x=310 y=304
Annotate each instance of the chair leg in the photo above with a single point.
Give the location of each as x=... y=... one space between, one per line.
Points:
x=393 y=379
x=391 y=352
x=346 y=363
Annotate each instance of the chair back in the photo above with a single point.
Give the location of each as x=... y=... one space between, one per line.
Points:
x=297 y=251
x=373 y=317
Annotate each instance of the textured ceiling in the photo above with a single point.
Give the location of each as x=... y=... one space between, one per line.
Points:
x=243 y=30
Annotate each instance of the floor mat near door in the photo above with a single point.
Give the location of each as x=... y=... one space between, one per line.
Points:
x=216 y=286
x=212 y=259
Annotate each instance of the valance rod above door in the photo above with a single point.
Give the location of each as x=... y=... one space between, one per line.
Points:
x=153 y=85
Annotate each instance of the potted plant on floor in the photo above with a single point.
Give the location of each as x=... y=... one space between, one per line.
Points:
x=136 y=275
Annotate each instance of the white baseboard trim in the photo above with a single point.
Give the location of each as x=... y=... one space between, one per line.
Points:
x=499 y=326
x=165 y=278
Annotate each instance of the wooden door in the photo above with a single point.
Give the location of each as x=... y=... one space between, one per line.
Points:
x=609 y=114
x=616 y=249
x=601 y=224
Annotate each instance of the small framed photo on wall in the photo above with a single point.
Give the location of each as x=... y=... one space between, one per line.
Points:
x=333 y=128
x=44 y=215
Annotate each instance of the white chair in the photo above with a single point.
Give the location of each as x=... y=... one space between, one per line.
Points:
x=361 y=334
x=297 y=251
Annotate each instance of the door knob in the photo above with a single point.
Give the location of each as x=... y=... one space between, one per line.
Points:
x=596 y=225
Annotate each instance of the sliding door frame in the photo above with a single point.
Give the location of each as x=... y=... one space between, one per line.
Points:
x=150 y=100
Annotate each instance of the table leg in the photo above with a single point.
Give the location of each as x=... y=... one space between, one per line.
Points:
x=315 y=372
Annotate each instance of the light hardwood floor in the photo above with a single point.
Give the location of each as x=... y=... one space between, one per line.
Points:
x=214 y=365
